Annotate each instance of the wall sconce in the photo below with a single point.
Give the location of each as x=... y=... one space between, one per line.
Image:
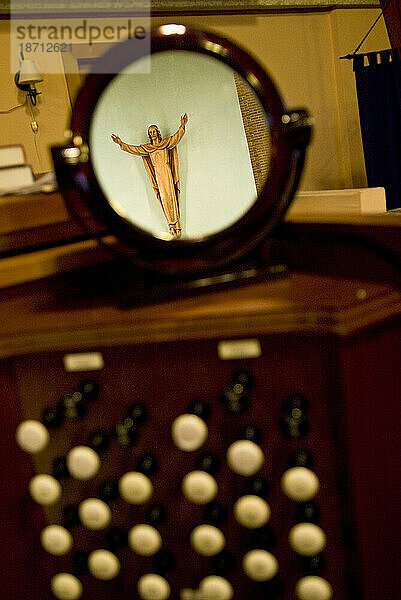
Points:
x=26 y=78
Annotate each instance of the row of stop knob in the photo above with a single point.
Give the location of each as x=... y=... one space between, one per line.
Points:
x=307 y=539
x=199 y=487
x=152 y=586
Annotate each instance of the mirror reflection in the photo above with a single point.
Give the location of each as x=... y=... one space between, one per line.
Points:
x=181 y=151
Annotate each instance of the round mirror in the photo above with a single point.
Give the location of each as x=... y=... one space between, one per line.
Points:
x=185 y=153
x=195 y=145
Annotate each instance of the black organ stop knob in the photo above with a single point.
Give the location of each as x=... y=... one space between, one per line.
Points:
x=138 y=414
x=60 y=469
x=147 y=464
x=73 y=405
x=223 y=563
x=200 y=409
x=52 y=417
x=208 y=462
x=163 y=561
x=70 y=516
x=126 y=432
x=297 y=402
x=33 y=435
x=155 y=514
x=80 y=562
x=313 y=565
x=293 y=422
x=89 y=389
x=243 y=377
x=250 y=432
x=307 y=512
x=301 y=458
x=215 y=514
x=108 y=490
x=235 y=397
x=257 y=486
x=99 y=441
x=264 y=537
x=116 y=538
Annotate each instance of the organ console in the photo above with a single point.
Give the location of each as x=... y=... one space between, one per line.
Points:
x=241 y=444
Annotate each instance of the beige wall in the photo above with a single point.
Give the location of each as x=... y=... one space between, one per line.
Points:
x=52 y=111
x=300 y=51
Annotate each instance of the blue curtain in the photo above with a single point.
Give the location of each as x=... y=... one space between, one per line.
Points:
x=378 y=83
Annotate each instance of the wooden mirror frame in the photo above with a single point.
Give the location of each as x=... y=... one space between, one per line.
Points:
x=290 y=134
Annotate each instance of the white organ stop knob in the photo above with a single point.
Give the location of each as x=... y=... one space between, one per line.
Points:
x=189 y=432
x=66 y=586
x=215 y=587
x=313 y=587
x=153 y=587
x=260 y=565
x=56 y=540
x=245 y=457
x=103 y=564
x=199 y=487
x=83 y=463
x=45 y=489
x=32 y=436
x=135 y=487
x=207 y=540
x=144 y=539
x=94 y=514
x=252 y=511
x=307 y=539
x=300 y=484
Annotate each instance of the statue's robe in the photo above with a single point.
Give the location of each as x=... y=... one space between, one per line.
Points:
x=161 y=163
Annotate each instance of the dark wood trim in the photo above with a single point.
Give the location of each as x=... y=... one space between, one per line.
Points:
x=60 y=313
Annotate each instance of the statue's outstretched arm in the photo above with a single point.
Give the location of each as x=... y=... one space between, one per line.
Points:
x=137 y=150
x=173 y=140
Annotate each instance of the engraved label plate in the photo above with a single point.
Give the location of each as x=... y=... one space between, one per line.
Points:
x=83 y=361
x=232 y=349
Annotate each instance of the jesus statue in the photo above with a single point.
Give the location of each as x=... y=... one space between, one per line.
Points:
x=161 y=162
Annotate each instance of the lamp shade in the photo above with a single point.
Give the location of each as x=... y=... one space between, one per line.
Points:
x=28 y=72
